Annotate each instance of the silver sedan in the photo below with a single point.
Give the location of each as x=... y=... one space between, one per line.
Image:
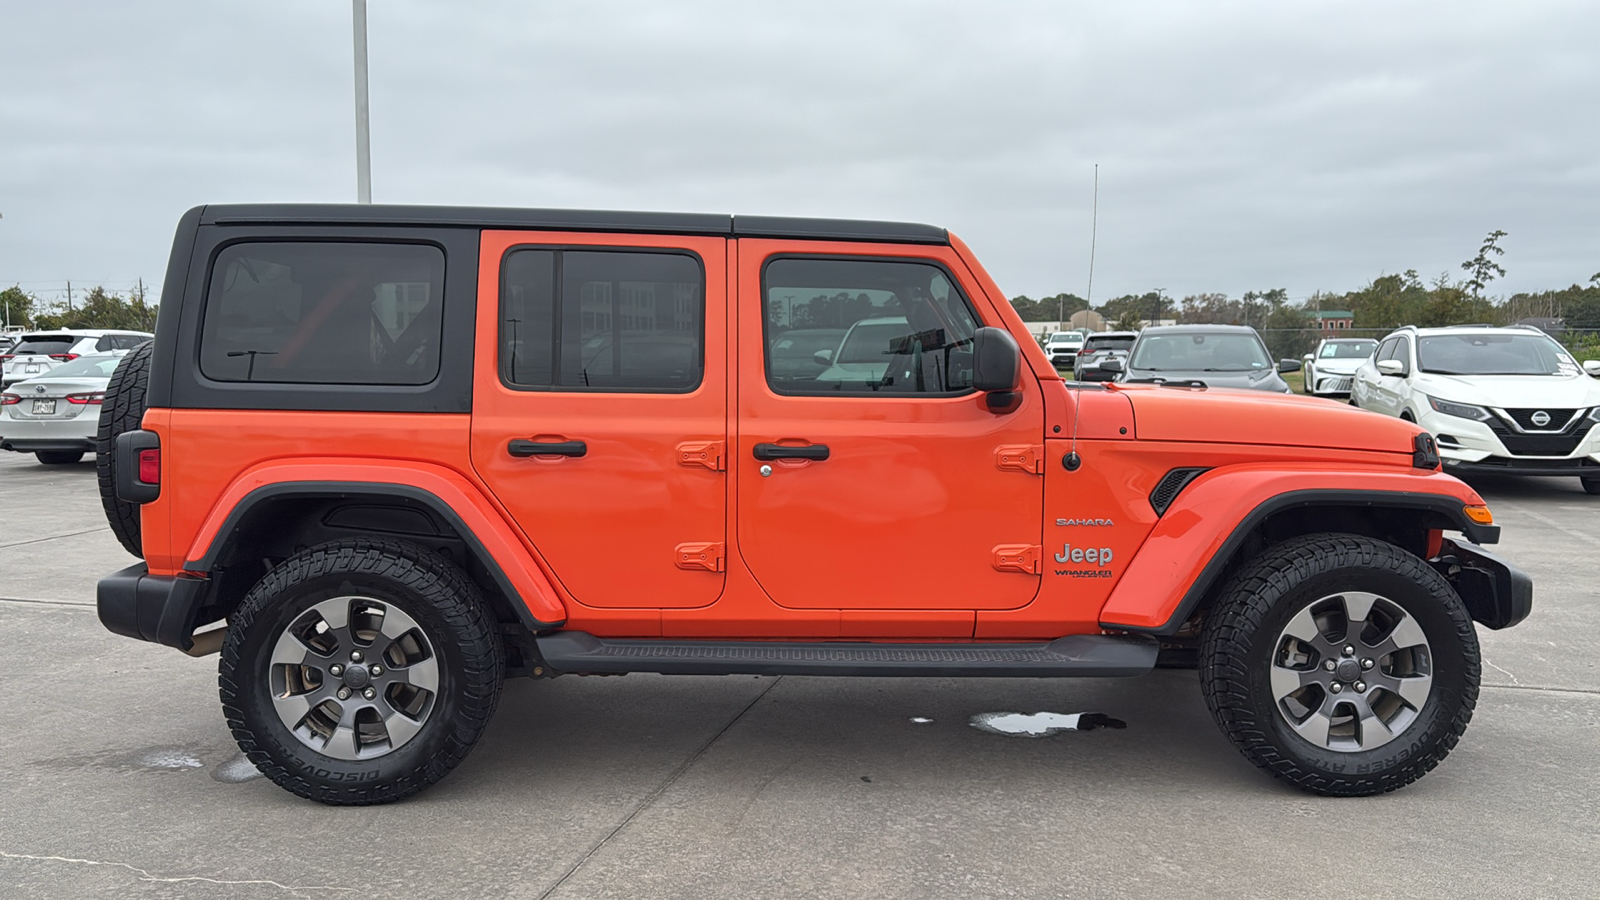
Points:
x=55 y=416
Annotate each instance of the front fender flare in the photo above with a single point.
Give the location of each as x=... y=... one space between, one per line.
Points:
x=1189 y=548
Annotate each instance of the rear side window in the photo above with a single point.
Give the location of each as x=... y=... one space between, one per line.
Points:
x=602 y=320
x=324 y=313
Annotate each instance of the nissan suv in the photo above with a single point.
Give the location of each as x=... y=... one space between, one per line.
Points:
x=1509 y=401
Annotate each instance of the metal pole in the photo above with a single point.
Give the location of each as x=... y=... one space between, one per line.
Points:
x=358 y=11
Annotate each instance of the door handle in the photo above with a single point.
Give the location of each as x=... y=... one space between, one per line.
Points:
x=818 y=452
x=547 y=448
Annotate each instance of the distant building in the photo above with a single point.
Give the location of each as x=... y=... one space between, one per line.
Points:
x=1333 y=321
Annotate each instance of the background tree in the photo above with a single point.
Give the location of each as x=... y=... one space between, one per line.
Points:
x=16 y=307
x=1483 y=267
x=102 y=309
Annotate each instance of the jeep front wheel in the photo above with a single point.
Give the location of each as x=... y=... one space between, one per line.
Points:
x=360 y=671
x=1341 y=664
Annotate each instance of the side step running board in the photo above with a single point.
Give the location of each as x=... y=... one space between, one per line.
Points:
x=1081 y=655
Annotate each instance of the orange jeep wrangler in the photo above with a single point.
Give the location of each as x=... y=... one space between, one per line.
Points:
x=400 y=453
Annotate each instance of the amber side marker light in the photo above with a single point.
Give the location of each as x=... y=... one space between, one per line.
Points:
x=1479 y=514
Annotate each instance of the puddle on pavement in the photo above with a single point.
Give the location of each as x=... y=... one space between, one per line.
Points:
x=236 y=770
x=159 y=759
x=1041 y=724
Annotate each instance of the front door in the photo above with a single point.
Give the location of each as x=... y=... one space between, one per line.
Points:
x=600 y=409
x=871 y=475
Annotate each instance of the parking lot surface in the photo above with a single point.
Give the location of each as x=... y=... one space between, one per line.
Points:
x=118 y=777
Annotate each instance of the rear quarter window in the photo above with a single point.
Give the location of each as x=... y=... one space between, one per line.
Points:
x=323 y=313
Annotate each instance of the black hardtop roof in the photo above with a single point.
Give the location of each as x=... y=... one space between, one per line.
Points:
x=713 y=224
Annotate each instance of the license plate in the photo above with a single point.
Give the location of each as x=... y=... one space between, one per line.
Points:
x=44 y=407
x=32 y=370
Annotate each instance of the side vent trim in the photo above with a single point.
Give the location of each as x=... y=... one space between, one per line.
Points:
x=1170 y=486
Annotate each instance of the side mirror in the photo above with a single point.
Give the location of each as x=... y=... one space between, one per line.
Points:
x=1306 y=359
x=823 y=357
x=1114 y=366
x=1592 y=366
x=1391 y=367
x=1290 y=365
x=996 y=361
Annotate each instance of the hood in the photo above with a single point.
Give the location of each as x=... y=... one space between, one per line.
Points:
x=1512 y=391
x=1253 y=380
x=1255 y=417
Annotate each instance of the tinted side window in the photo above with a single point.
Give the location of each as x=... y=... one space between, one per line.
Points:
x=1385 y=351
x=602 y=320
x=871 y=326
x=1402 y=352
x=324 y=313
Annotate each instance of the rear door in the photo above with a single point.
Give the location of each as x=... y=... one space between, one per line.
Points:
x=600 y=409
x=879 y=479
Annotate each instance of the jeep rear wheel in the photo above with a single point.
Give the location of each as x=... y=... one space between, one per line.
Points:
x=360 y=671
x=1341 y=664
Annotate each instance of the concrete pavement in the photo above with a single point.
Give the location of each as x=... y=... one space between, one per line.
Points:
x=118 y=777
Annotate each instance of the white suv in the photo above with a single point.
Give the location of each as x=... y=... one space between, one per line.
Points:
x=36 y=353
x=1063 y=347
x=1510 y=401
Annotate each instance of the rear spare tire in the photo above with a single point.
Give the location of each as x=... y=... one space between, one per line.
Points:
x=122 y=411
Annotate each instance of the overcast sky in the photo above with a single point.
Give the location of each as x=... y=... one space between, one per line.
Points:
x=1241 y=145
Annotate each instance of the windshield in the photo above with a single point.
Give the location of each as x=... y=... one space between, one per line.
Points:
x=1099 y=342
x=804 y=343
x=1477 y=353
x=1068 y=337
x=87 y=367
x=1347 y=349
x=869 y=343
x=1200 y=353
x=44 y=344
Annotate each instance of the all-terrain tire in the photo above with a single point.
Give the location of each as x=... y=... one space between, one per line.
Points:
x=58 y=457
x=446 y=608
x=1241 y=639
x=121 y=411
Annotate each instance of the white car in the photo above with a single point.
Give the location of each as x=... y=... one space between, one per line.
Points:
x=1330 y=369
x=36 y=353
x=55 y=416
x=1509 y=401
x=1063 y=347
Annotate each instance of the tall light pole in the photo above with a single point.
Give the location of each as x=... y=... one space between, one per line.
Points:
x=358 y=11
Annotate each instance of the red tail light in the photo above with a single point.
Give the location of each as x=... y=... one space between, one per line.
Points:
x=150 y=466
x=93 y=397
x=6 y=357
x=9 y=399
x=64 y=357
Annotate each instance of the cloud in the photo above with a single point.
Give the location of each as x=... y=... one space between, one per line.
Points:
x=1241 y=145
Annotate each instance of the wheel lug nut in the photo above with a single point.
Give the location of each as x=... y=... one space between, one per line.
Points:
x=1366 y=664
x=1336 y=688
x=1361 y=687
x=1348 y=651
x=1329 y=665
x=377 y=670
x=336 y=670
x=370 y=694
x=344 y=693
x=355 y=655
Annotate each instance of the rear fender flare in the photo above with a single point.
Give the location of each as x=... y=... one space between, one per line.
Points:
x=455 y=499
x=1190 y=547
